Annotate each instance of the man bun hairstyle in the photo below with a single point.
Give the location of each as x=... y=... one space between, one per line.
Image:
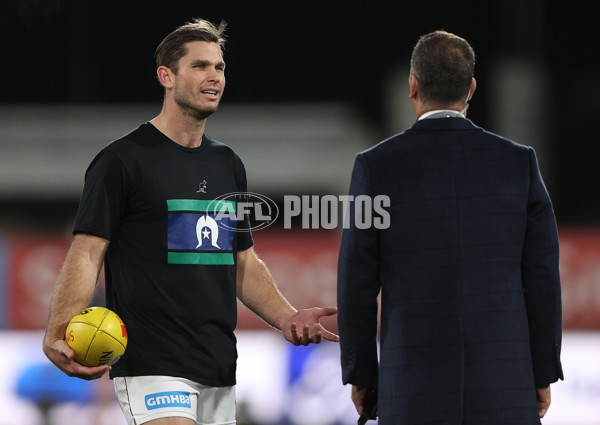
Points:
x=173 y=47
x=444 y=65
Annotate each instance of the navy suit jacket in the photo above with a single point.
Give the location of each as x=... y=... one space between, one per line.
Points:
x=468 y=274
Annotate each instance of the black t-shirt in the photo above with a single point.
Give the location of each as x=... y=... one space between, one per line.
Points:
x=171 y=262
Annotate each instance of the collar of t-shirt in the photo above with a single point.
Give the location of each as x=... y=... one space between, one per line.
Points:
x=450 y=112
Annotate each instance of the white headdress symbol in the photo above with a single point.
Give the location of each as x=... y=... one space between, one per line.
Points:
x=207 y=222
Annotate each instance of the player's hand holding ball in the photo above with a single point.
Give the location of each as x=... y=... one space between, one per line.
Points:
x=97 y=337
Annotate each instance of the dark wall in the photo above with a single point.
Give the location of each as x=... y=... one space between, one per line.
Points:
x=102 y=51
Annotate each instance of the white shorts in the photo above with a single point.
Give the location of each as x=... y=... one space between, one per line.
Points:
x=145 y=398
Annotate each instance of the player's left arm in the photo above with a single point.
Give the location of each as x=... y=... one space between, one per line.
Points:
x=257 y=290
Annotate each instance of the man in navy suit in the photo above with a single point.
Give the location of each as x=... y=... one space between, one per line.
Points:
x=467 y=268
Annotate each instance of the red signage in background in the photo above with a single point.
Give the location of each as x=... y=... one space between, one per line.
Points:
x=304 y=265
x=580 y=277
x=33 y=264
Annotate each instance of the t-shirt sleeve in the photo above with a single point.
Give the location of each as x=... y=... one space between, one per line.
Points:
x=244 y=234
x=102 y=204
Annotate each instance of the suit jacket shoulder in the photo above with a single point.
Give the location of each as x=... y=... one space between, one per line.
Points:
x=431 y=129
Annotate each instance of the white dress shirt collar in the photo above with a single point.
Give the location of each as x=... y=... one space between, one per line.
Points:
x=451 y=113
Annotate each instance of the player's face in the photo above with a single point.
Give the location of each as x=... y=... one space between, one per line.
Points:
x=200 y=80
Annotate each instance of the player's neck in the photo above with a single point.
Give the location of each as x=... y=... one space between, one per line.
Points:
x=179 y=127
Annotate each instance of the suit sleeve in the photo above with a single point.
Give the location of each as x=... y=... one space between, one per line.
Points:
x=358 y=287
x=541 y=281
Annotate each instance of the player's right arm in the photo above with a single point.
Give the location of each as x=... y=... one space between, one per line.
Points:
x=73 y=291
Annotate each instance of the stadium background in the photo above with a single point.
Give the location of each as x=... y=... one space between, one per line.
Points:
x=308 y=85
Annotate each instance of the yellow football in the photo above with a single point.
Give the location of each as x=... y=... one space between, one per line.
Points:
x=97 y=336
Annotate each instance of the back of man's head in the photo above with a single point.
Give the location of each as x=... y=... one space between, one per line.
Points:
x=444 y=64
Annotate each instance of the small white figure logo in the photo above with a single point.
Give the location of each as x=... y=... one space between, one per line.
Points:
x=202 y=187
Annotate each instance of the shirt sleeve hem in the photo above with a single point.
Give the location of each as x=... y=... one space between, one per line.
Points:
x=243 y=247
x=92 y=232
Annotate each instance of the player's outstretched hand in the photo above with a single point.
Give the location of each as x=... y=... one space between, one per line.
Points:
x=61 y=355
x=304 y=327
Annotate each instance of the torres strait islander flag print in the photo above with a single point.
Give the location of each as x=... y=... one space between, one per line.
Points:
x=200 y=231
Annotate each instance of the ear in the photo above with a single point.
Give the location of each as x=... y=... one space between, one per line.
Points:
x=472 y=89
x=165 y=76
x=413 y=84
